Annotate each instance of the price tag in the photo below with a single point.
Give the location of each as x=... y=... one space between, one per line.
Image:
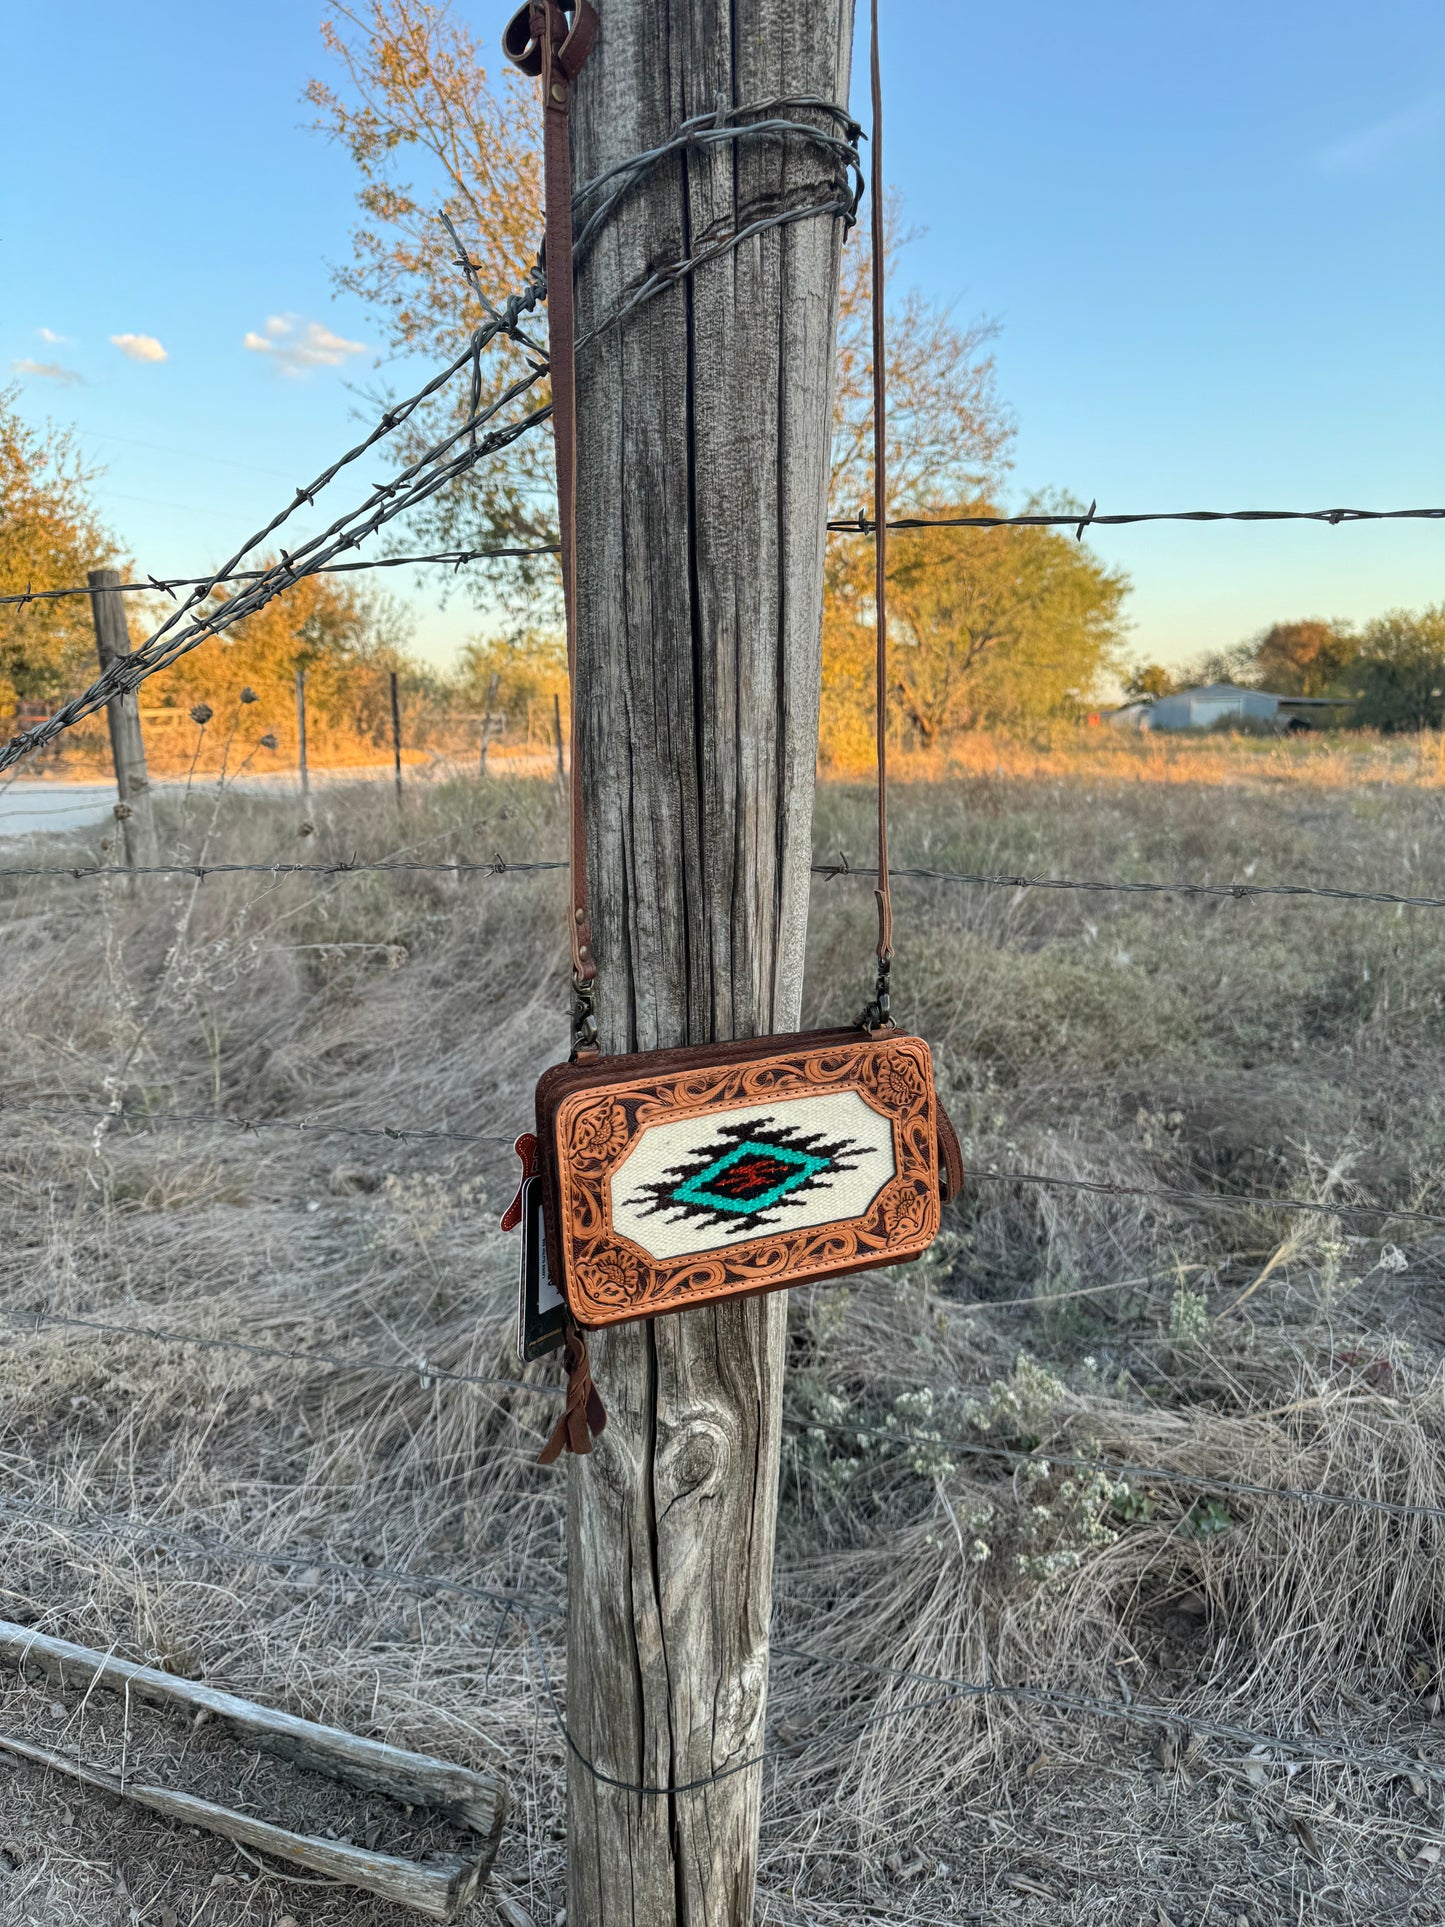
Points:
x=543 y=1310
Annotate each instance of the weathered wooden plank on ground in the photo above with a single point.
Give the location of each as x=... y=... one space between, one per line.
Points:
x=473 y=1800
x=438 y=1888
x=704 y=426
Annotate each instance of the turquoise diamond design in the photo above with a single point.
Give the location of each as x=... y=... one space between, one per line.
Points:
x=750 y=1178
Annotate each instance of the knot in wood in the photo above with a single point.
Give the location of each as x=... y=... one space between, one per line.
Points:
x=693 y=1459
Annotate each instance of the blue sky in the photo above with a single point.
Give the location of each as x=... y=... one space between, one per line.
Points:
x=1211 y=238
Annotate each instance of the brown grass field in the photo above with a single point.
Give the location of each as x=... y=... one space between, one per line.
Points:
x=1269 y=1046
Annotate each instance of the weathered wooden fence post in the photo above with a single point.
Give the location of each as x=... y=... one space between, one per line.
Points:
x=127 y=745
x=704 y=424
x=492 y=686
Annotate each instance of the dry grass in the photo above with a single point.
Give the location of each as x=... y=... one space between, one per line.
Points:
x=1285 y=1047
x=1102 y=753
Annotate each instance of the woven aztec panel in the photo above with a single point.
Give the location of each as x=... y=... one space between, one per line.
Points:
x=679 y=1186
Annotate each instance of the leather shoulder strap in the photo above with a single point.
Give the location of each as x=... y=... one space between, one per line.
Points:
x=880 y=520
x=542 y=40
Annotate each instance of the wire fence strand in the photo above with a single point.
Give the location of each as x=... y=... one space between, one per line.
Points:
x=181 y=1543
x=527 y=1609
x=167 y=585
x=846 y=525
x=426 y=1374
x=1154 y=1715
x=1091 y=518
x=1178 y=1194
x=906 y=1441
x=455 y=453
x=106 y=1112
x=1238 y=892
x=421 y=1370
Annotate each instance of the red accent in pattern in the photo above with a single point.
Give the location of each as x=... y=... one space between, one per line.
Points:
x=751 y=1176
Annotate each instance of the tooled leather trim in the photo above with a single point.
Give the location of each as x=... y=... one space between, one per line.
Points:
x=609 y=1280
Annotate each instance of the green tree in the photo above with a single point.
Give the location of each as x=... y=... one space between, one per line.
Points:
x=530 y=667
x=1236 y=665
x=50 y=535
x=1147 y=681
x=1303 y=658
x=986 y=626
x=1398 y=676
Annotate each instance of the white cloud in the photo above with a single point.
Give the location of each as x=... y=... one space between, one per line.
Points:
x=49 y=371
x=1371 y=150
x=51 y=338
x=297 y=346
x=140 y=347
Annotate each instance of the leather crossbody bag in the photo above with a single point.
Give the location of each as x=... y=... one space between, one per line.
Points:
x=668 y=1179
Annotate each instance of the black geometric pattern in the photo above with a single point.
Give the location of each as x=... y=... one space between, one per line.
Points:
x=748 y=1173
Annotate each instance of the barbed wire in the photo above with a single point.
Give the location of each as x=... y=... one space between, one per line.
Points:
x=1239 y=892
x=830 y=872
x=440 y=464
x=181 y=1542
x=342 y=866
x=425 y=1373
x=1133 y=1712
x=106 y=1112
x=421 y=1369
x=407 y=1133
x=526 y=1608
x=848 y=525
x=903 y=1441
x=166 y=585
x=444 y=461
x=775 y=119
x=1177 y=1194
x=1090 y=518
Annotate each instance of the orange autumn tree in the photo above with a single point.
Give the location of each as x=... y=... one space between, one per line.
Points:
x=345 y=636
x=50 y=536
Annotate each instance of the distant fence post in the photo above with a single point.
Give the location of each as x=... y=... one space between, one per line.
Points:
x=487 y=720
x=301 y=730
x=557 y=732
x=396 y=732
x=127 y=745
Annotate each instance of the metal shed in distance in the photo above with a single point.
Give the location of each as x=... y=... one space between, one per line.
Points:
x=1220 y=702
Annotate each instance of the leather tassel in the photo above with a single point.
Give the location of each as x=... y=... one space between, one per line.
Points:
x=584 y=1417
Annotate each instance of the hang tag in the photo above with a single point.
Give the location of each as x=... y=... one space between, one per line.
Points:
x=543 y=1310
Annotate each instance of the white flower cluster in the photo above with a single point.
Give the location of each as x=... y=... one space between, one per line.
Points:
x=1022 y=1402
x=1072 y=1521
x=1188 y=1316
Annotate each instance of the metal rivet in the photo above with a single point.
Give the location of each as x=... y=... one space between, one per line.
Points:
x=559 y=92
x=578 y=914
x=581 y=950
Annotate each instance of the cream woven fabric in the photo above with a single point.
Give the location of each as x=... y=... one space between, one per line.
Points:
x=703 y=1183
